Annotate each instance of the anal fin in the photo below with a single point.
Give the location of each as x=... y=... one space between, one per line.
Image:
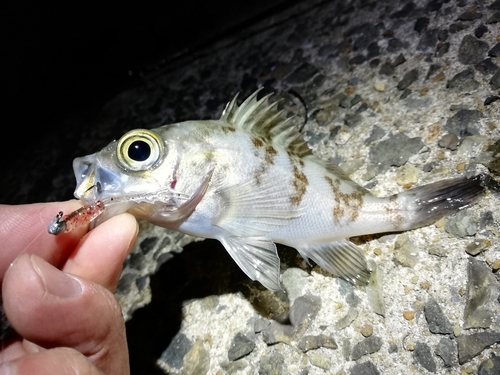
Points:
x=341 y=258
x=257 y=257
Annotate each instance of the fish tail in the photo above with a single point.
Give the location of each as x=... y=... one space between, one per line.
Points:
x=426 y=204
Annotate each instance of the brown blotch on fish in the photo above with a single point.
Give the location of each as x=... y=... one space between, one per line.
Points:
x=257 y=142
x=346 y=204
x=300 y=184
x=270 y=154
x=228 y=129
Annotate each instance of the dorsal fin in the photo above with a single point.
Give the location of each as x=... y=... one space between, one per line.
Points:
x=263 y=119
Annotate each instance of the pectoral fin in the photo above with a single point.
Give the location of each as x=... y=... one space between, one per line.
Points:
x=341 y=258
x=257 y=257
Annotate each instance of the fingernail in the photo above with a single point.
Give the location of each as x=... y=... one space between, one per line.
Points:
x=56 y=282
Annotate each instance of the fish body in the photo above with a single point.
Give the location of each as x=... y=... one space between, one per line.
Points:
x=250 y=181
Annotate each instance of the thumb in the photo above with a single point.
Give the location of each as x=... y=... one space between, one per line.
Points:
x=54 y=309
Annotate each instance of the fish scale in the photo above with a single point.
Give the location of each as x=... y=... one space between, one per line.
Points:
x=249 y=180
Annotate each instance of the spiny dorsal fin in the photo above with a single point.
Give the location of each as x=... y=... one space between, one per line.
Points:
x=263 y=119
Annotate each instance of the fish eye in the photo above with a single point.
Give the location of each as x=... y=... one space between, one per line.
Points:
x=139 y=150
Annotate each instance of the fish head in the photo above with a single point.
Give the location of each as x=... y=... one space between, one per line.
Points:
x=137 y=174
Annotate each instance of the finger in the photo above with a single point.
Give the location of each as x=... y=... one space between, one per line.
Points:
x=100 y=254
x=54 y=309
x=23 y=229
x=54 y=361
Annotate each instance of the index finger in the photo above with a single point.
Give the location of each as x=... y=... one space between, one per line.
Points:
x=23 y=229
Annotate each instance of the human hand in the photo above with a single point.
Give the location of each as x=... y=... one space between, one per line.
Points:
x=67 y=318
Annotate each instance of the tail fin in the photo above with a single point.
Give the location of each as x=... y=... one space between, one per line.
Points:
x=427 y=204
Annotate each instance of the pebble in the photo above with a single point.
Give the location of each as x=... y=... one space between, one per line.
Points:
x=400 y=59
x=307 y=343
x=408 y=79
x=463 y=81
x=320 y=361
x=380 y=86
x=490 y=366
x=447 y=350
x=449 y=141
x=481 y=287
x=470 y=346
x=480 y=31
x=272 y=364
x=477 y=246
x=374 y=289
x=294 y=279
x=495 y=51
x=173 y=356
x=386 y=69
x=407 y=174
x=303 y=310
x=436 y=319
x=395 y=151
x=347 y=319
x=464 y=122
x=365 y=368
x=428 y=39
x=240 y=347
x=197 y=360
x=302 y=74
x=409 y=315
x=423 y=356
x=486 y=67
x=461 y=224
x=493 y=18
x=405 y=252
x=376 y=134
x=495 y=81
x=472 y=50
x=369 y=345
x=367 y=330
x=469 y=16
x=277 y=332
x=261 y=324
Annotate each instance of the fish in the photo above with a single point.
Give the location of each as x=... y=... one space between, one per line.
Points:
x=250 y=181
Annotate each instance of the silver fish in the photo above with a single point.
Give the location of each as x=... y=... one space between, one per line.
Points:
x=250 y=181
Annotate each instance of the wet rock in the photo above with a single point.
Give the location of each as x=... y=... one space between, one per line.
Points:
x=463 y=81
x=303 y=311
x=477 y=246
x=347 y=319
x=272 y=364
x=464 y=122
x=365 y=368
x=405 y=252
x=447 y=350
x=307 y=343
x=240 y=347
x=369 y=345
x=480 y=31
x=461 y=224
x=302 y=74
x=469 y=16
x=449 y=141
x=490 y=366
x=408 y=79
x=423 y=356
x=436 y=319
x=486 y=67
x=480 y=291
x=495 y=51
x=495 y=81
x=173 y=356
x=277 y=332
x=197 y=360
x=395 y=151
x=471 y=50
x=491 y=99
x=470 y=346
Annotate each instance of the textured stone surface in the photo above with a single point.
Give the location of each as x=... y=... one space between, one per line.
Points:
x=470 y=346
x=423 y=356
x=365 y=368
x=436 y=320
x=240 y=347
x=369 y=345
x=447 y=350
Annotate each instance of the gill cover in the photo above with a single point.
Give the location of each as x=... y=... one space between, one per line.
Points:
x=139 y=150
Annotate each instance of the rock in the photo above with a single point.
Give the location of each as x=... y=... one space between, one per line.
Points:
x=197 y=360
x=486 y=67
x=469 y=16
x=365 y=368
x=493 y=18
x=456 y=27
x=307 y=343
x=400 y=59
x=490 y=366
x=480 y=31
x=240 y=347
x=374 y=289
x=486 y=220
x=463 y=81
x=421 y=24
x=320 y=361
x=481 y=287
x=173 y=356
x=369 y=345
x=477 y=246
x=347 y=319
x=471 y=50
x=277 y=332
x=376 y=134
x=405 y=252
x=471 y=144
x=491 y=99
x=423 y=356
x=495 y=51
x=436 y=320
x=471 y=345
x=461 y=224
x=464 y=122
x=495 y=81
x=449 y=141
x=367 y=330
x=261 y=324
x=408 y=79
x=302 y=74
x=447 y=350
x=293 y=280
x=272 y=364
x=407 y=174
x=386 y=69
x=395 y=151
x=304 y=309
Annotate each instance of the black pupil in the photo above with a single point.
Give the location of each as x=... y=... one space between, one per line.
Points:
x=139 y=151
